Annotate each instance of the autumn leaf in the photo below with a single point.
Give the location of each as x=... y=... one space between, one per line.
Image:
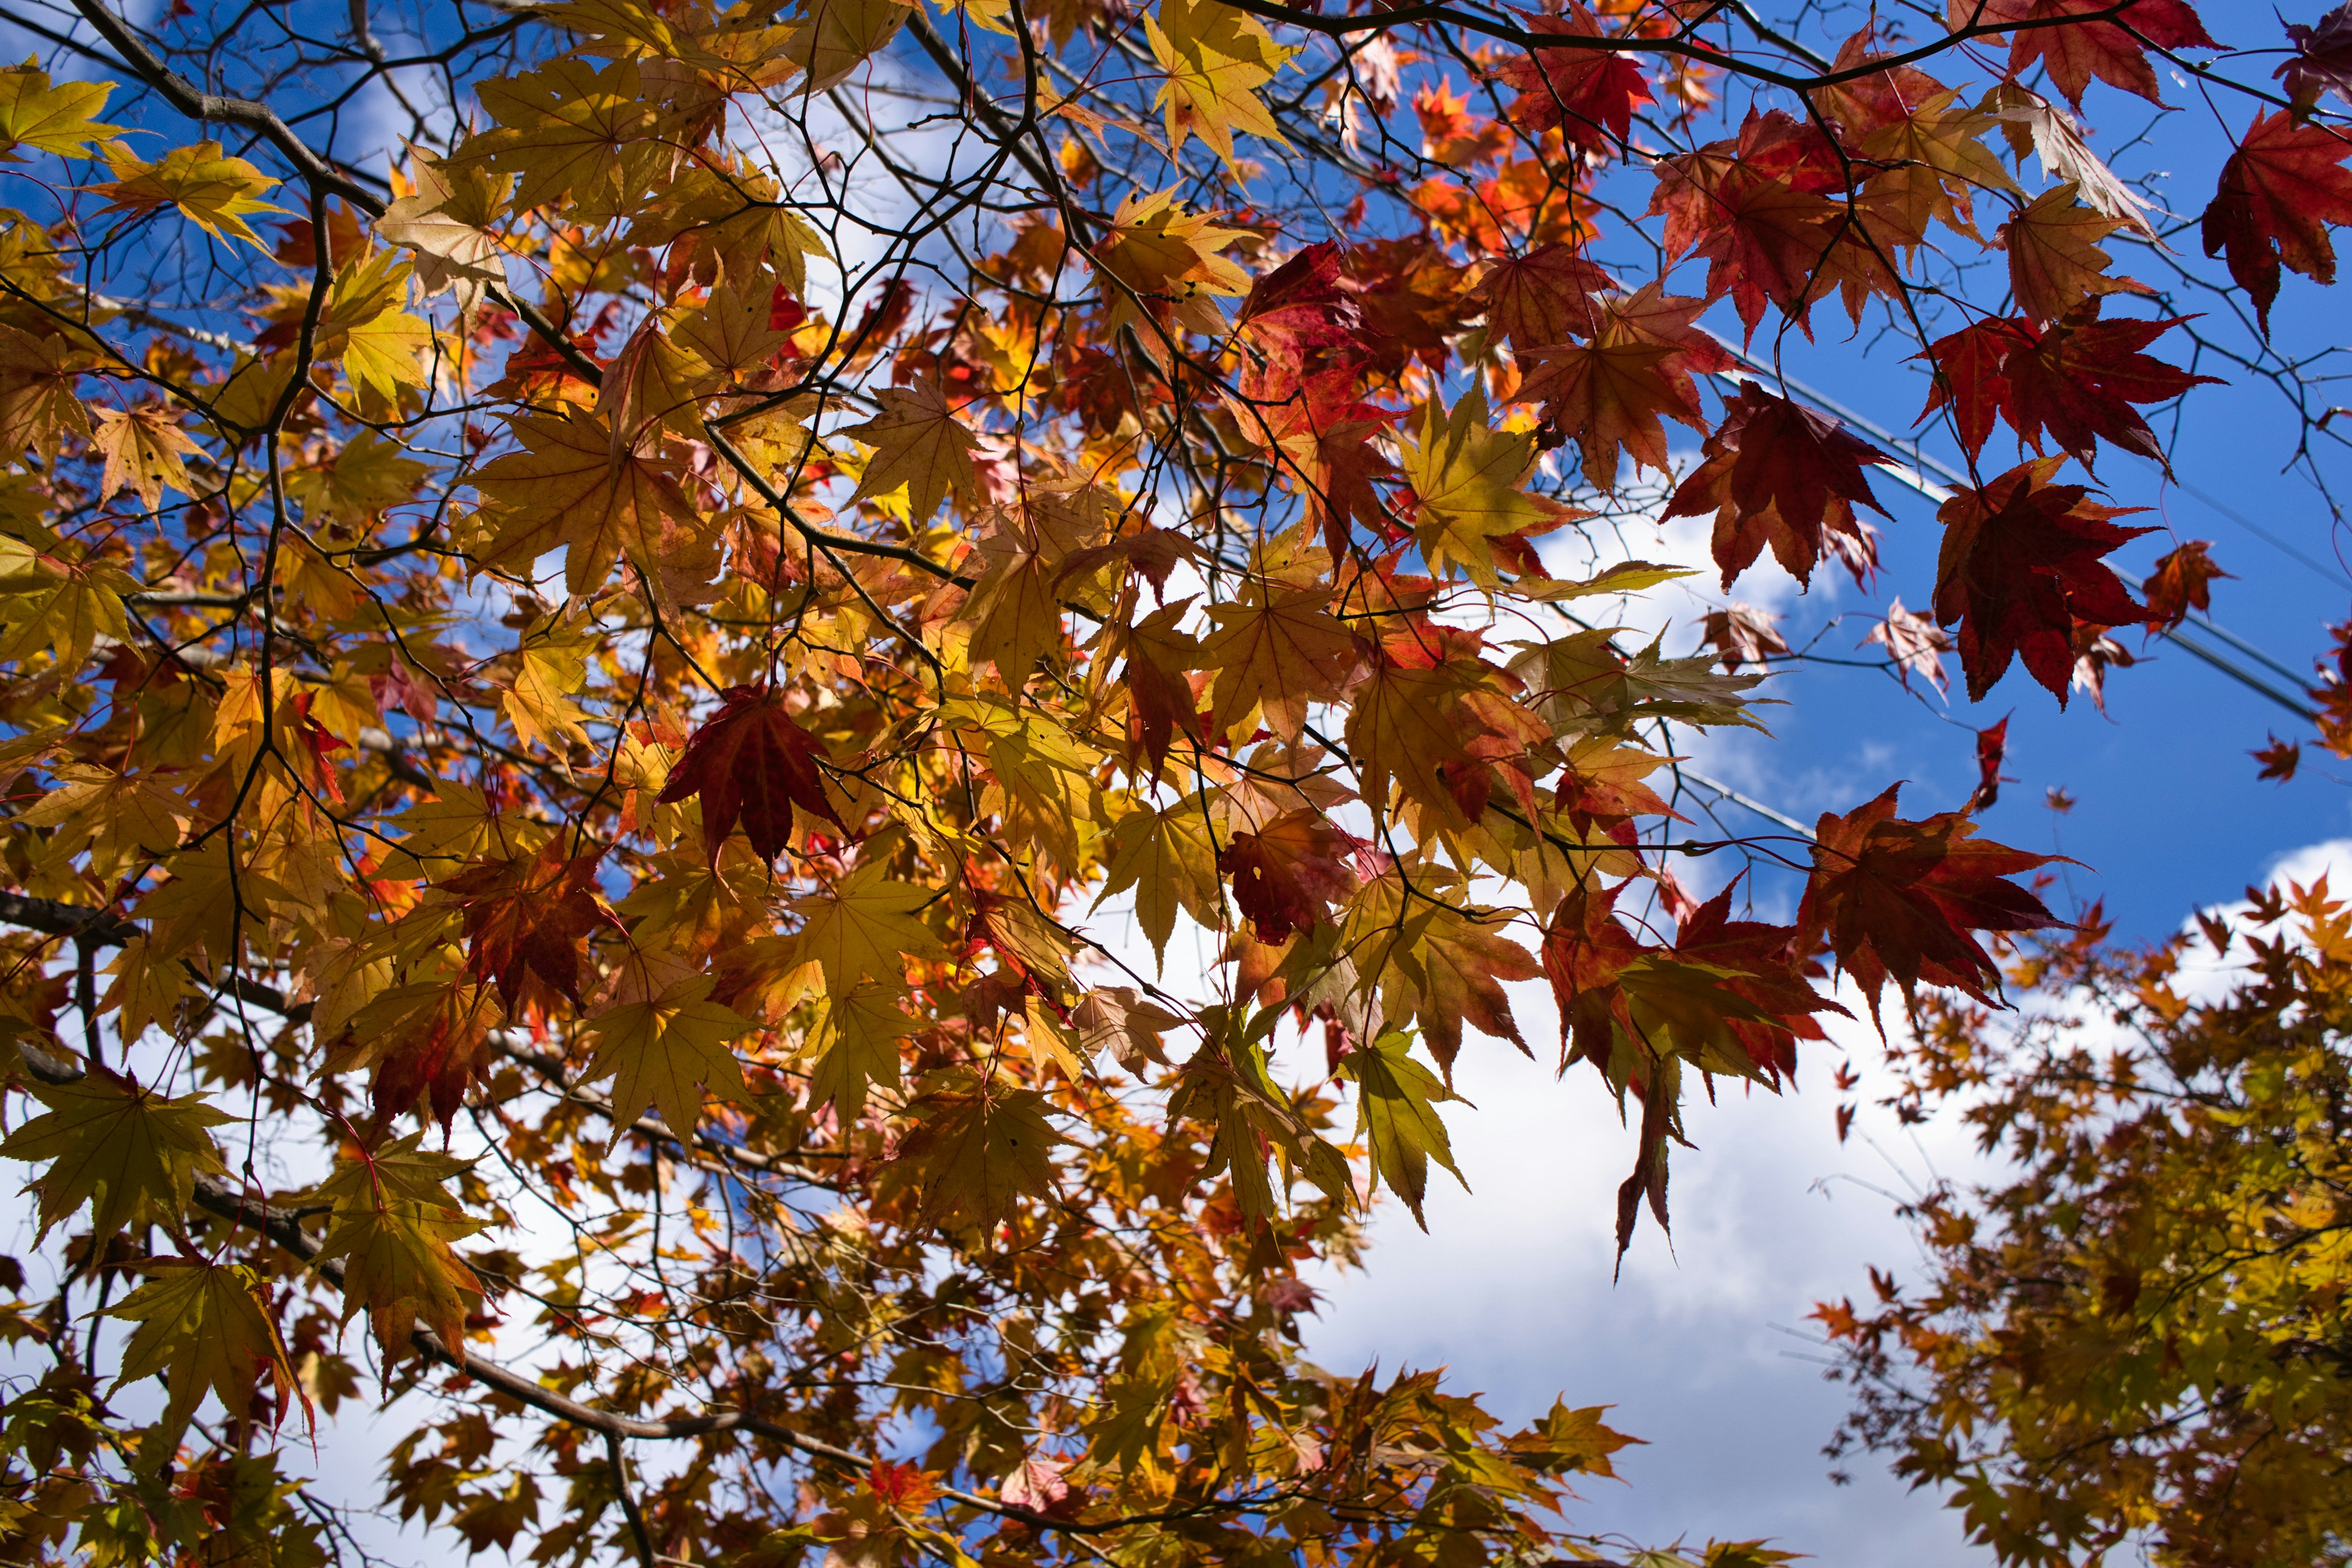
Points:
x=857 y=928
x=203 y=1326
x=977 y=1151
x=919 y=442
x=2112 y=48
x=2078 y=379
x=1777 y=473
x=1287 y=875
x=1170 y=859
x=1215 y=58
x=566 y=490
x=1914 y=644
x=50 y=119
x=2054 y=259
x=526 y=921
x=1589 y=93
x=130 y=1153
x=2279 y=192
x=1905 y=899
x=142 y=449
x=399 y=1265
x=1396 y=1110
x=856 y=1045
x=839 y=36
x=2183 y=581
x=2021 y=568
x=751 y=765
x=213 y=191
x=663 y=1047
x=1275 y=652
x=1608 y=395
x=1465 y=477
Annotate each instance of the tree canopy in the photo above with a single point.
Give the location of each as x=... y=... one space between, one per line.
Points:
x=803 y=735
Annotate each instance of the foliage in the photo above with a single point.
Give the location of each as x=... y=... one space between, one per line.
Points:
x=576 y=686
x=2137 y=1335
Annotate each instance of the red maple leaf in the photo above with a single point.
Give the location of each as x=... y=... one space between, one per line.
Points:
x=2322 y=62
x=1287 y=876
x=1325 y=438
x=2279 y=759
x=527 y=920
x=1541 y=297
x=1608 y=395
x=1301 y=310
x=2021 y=568
x=750 y=762
x=1760 y=965
x=2077 y=380
x=2183 y=582
x=1585 y=949
x=1586 y=91
x=2113 y=52
x=1992 y=750
x=1779 y=474
x=2279 y=192
x=1903 y=899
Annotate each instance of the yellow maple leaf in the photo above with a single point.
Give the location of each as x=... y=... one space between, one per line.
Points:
x=2054 y=259
x=202 y=1325
x=398 y=1264
x=213 y=191
x=35 y=114
x=566 y=490
x=57 y=600
x=142 y=450
x=567 y=129
x=856 y=1045
x=664 y=1048
x=919 y=442
x=117 y=1145
x=857 y=928
x=1276 y=651
x=364 y=327
x=40 y=404
x=1159 y=259
x=1465 y=478
x=839 y=36
x=1216 y=58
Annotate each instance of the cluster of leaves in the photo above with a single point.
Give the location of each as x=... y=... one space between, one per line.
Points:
x=632 y=638
x=2136 y=1337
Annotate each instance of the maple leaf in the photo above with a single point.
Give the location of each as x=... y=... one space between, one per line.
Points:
x=567 y=490
x=1396 y=1110
x=142 y=450
x=1458 y=963
x=1171 y=860
x=977 y=1152
x=567 y=128
x=856 y=1045
x=2183 y=581
x=203 y=1325
x=1160 y=261
x=1742 y=634
x=2322 y=61
x=398 y=1264
x=2279 y=192
x=446 y=221
x=1158 y=653
x=751 y=764
x=40 y=402
x=919 y=442
x=1903 y=899
x=857 y=928
x=1326 y=438
x=1287 y=875
x=1543 y=297
x=48 y=118
x=1777 y=473
x=839 y=36
x=2021 y=567
x=1275 y=652
x=1754 y=209
x=1216 y=58
x=1586 y=92
x=2054 y=259
x=60 y=604
x=130 y=1153
x=1608 y=395
x=2279 y=759
x=216 y=193
x=2078 y=380
x=526 y=921
x=1303 y=307
x=1992 y=750
x=2113 y=48
x=1465 y=478
x=1912 y=642
x=663 y=1040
